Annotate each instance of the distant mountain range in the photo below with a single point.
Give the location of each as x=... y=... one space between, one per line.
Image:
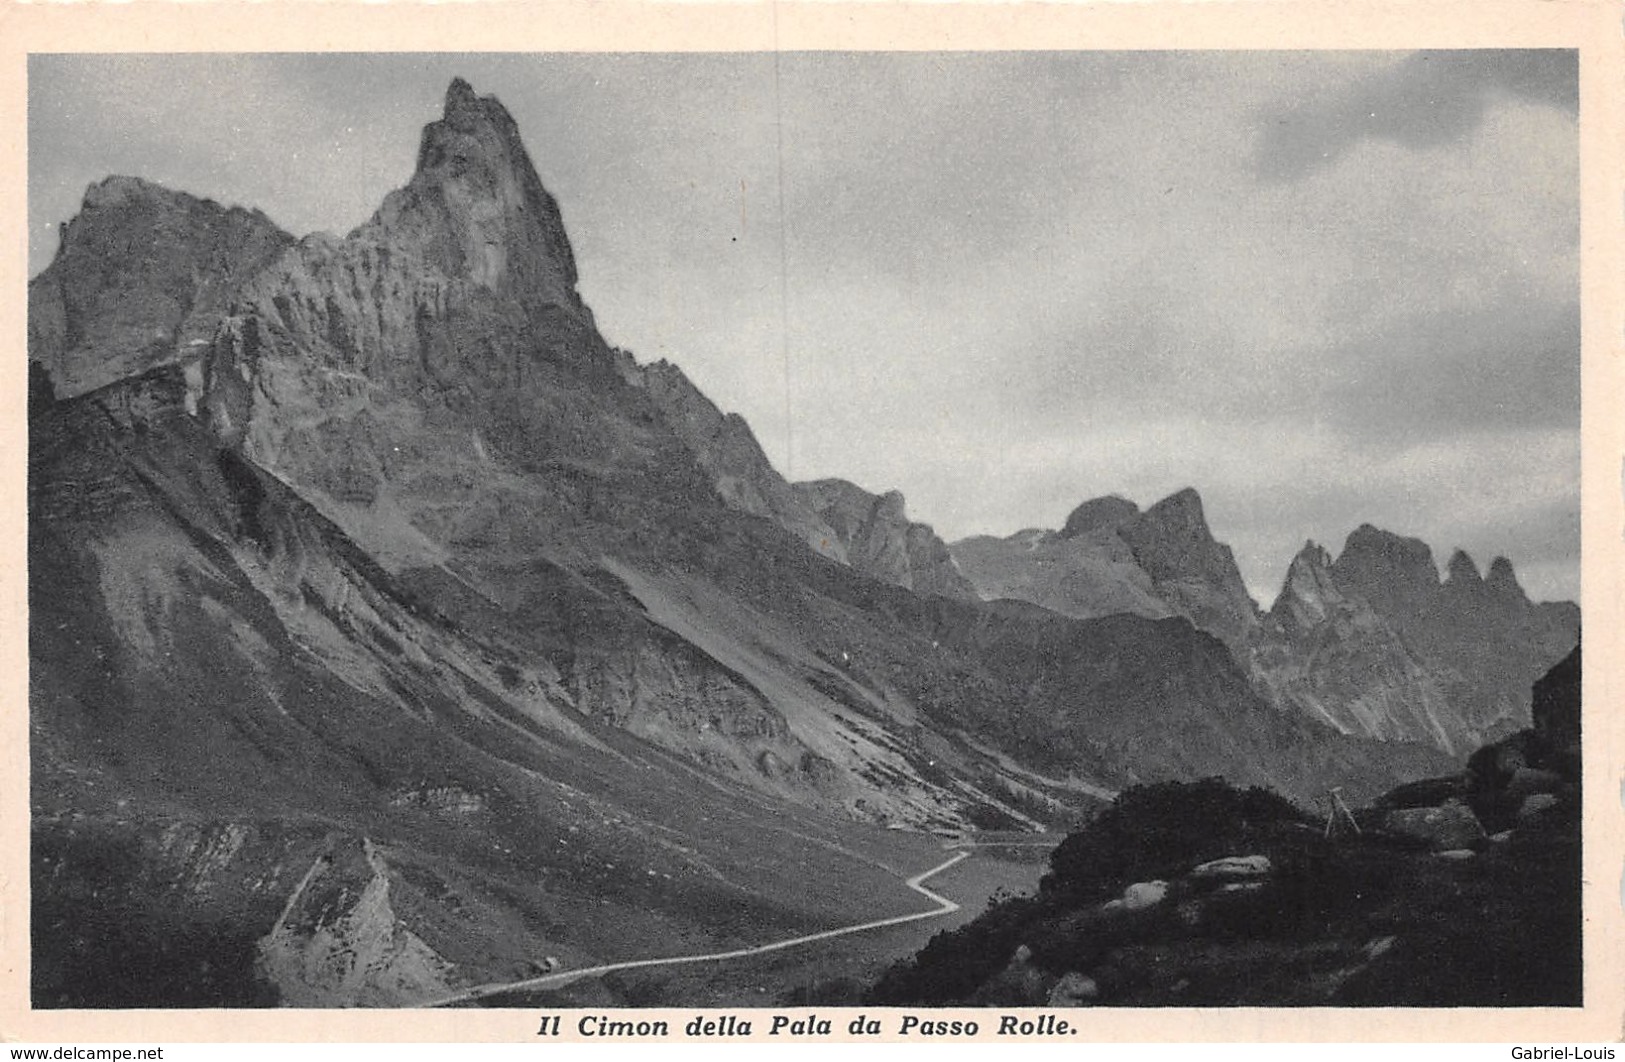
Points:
x=1373 y=643
x=390 y=630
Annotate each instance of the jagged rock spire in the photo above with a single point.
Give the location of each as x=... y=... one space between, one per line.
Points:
x=460 y=98
x=476 y=208
x=1307 y=594
x=1462 y=571
x=1503 y=581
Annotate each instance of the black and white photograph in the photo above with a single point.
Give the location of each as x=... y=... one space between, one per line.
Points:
x=593 y=533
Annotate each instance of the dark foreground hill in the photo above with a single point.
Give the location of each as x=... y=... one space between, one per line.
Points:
x=390 y=632
x=1460 y=891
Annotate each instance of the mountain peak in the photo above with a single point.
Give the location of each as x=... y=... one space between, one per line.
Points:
x=1180 y=512
x=460 y=96
x=1462 y=570
x=473 y=132
x=1502 y=578
x=1373 y=551
x=1184 y=499
x=1312 y=555
x=1198 y=574
x=1307 y=595
x=879 y=539
x=116 y=189
x=476 y=208
x=466 y=110
x=1111 y=512
x=140 y=278
x=122 y=193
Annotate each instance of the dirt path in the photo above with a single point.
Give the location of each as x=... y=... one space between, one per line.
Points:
x=944 y=906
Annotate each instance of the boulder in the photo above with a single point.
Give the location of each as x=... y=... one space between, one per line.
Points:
x=1019 y=984
x=1536 y=805
x=1456 y=853
x=1427 y=793
x=1450 y=825
x=1144 y=894
x=1492 y=767
x=1248 y=866
x=1074 y=990
x=1555 y=708
x=1379 y=946
x=1526 y=781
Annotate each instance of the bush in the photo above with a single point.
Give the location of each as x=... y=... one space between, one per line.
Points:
x=955 y=962
x=1162 y=830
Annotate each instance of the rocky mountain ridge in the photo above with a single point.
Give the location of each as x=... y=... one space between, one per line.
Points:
x=879 y=539
x=141 y=277
x=1372 y=642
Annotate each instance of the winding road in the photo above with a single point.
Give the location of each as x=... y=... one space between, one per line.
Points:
x=944 y=906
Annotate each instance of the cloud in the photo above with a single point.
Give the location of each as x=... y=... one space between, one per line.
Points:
x=1511 y=365
x=1427 y=100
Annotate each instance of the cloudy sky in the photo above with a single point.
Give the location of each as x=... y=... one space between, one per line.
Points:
x=1322 y=288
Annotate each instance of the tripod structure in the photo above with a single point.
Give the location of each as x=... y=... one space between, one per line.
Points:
x=1338 y=812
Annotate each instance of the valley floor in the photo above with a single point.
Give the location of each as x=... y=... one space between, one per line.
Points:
x=831 y=970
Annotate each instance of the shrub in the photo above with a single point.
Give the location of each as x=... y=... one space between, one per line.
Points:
x=1159 y=831
x=955 y=962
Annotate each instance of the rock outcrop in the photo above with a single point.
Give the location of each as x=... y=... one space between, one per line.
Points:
x=340 y=941
x=1191 y=570
x=141 y=278
x=730 y=454
x=1555 y=710
x=1451 y=826
x=879 y=539
x=1258 y=903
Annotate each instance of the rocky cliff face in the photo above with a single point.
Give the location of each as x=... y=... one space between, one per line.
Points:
x=340 y=941
x=1373 y=643
x=1328 y=652
x=730 y=454
x=1111 y=557
x=879 y=539
x=441 y=338
x=141 y=278
x=1555 y=707
x=460 y=284
x=1482 y=639
x=1190 y=569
